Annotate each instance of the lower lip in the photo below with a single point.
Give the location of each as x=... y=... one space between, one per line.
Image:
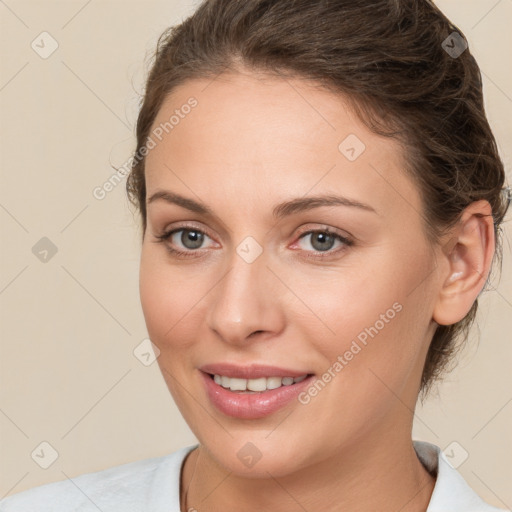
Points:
x=251 y=406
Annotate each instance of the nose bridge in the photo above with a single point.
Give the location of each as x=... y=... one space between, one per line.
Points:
x=243 y=301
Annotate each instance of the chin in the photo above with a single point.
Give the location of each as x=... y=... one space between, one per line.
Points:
x=250 y=455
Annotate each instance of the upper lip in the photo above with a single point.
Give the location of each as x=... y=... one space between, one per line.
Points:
x=253 y=371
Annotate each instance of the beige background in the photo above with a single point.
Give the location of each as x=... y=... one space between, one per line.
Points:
x=69 y=326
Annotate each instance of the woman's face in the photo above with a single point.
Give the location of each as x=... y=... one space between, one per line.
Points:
x=265 y=285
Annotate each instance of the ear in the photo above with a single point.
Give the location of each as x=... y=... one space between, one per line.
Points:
x=467 y=256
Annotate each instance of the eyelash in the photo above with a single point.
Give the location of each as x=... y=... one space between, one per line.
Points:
x=316 y=254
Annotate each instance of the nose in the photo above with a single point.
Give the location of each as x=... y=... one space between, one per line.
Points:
x=245 y=302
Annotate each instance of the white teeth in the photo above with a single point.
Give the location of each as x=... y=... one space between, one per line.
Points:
x=274 y=382
x=255 y=385
x=237 y=384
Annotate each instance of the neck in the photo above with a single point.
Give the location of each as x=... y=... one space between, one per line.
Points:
x=378 y=473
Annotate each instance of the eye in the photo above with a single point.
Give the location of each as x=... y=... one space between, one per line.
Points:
x=323 y=240
x=190 y=238
x=187 y=240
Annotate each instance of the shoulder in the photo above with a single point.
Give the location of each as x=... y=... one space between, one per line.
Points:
x=451 y=491
x=127 y=487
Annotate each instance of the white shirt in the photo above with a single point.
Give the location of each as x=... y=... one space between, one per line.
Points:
x=152 y=485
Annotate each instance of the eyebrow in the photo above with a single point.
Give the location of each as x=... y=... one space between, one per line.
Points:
x=279 y=211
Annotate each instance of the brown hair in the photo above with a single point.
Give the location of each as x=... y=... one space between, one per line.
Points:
x=392 y=59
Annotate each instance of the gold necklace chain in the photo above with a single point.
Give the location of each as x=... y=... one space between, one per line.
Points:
x=190 y=482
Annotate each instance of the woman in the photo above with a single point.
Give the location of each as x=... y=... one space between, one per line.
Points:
x=321 y=198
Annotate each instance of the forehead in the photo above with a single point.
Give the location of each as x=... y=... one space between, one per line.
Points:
x=269 y=137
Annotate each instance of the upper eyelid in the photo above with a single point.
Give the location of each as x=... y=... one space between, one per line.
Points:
x=303 y=230
x=323 y=228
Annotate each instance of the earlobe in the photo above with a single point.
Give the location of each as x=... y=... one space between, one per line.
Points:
x=468 y=257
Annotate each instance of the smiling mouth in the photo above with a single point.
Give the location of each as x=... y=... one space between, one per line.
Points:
x=255 y=386
x=257 y=397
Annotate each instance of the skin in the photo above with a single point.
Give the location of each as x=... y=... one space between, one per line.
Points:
x=254 y=141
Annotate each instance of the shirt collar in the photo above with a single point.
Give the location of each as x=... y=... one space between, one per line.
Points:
x=451 y=492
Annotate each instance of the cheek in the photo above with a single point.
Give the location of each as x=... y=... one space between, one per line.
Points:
x=173 y=301
x=154 y=297
x=371 y=361
x=161 y=304
x=377 y=316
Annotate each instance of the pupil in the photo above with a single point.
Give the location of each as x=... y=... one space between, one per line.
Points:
x=191 y=236
x=326 y=241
